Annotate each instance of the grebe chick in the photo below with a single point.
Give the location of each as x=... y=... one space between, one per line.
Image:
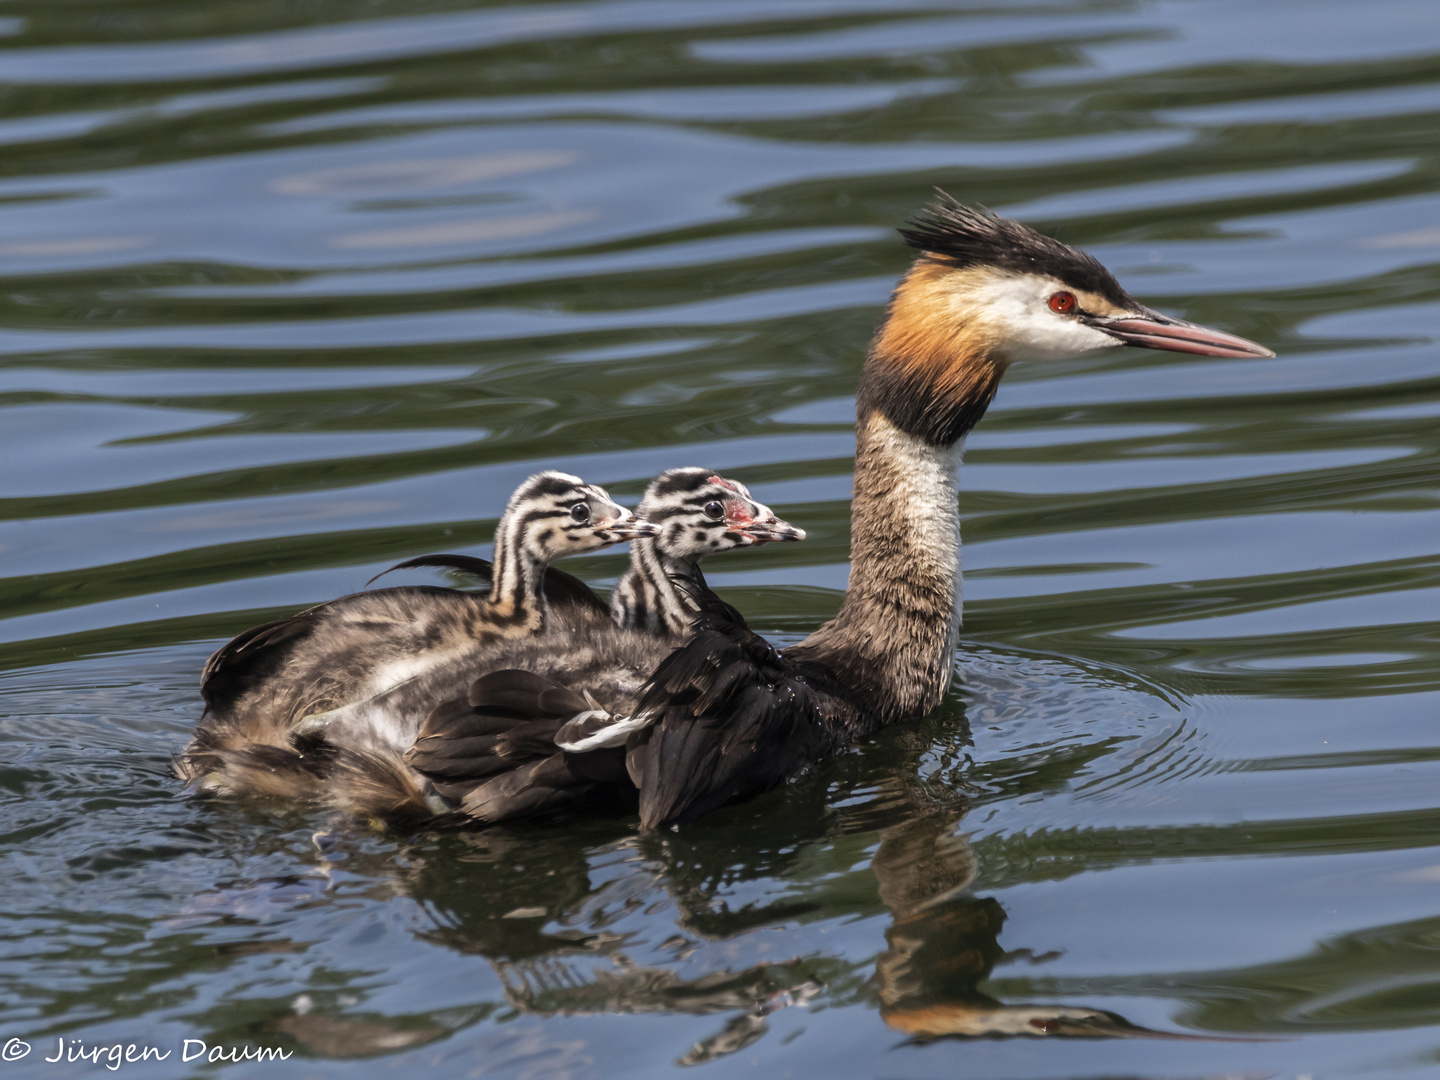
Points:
x=726 y=715
x=698 y=513
x=271 y=692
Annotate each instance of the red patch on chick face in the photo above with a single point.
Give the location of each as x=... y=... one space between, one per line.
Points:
x=737 y=512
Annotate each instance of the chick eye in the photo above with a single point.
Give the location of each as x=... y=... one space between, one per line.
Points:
x=714 y=511
x=1062 y=303
x=580 y=511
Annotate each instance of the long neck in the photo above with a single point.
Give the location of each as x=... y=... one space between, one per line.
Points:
x=893 y=641
x=646 y=597
x=516 y=600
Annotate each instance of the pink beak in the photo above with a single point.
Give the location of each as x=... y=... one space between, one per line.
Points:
x=1151 y=330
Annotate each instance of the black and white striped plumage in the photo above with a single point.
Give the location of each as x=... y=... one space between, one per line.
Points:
x=699 y=513
x=281 y=698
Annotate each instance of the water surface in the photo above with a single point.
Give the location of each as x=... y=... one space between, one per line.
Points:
x=291 y=292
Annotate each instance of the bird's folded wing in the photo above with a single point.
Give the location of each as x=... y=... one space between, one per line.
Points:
x=255 y=656
x=734 y=719
x=494 y=752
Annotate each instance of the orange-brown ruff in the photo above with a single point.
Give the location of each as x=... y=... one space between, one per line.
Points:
x=952 y=353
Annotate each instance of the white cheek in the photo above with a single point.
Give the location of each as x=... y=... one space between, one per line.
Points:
x=1030 y=330
x=1047 y=336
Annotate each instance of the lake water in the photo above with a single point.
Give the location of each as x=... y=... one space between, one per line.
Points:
x=292 y=291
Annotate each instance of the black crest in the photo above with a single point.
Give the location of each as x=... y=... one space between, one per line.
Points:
x=968 y=236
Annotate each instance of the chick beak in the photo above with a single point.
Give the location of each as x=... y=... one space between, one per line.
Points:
x=1150 y=330
x=628 y=527
x=764 y=530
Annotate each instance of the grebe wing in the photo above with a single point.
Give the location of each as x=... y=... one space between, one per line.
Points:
x=722 y=717
x=250 y=658
x=734 y=719
x=469 y=565
x=493 y=751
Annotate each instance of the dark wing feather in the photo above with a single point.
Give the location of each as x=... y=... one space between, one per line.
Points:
x=494 y=750
x=252 y=656
x=566 y=590
x=458 y=761
x=545 y=786
x=458 y=720
x=480 y=569
x=561 y=589
x=736 y=718
x=524 y=693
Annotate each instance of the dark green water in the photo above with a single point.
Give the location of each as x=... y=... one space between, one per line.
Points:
x=290 y=291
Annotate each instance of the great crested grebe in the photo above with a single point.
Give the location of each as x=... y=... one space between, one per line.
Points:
x=726 y=715
x=272 y=690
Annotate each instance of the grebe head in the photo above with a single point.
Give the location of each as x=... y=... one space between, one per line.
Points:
x=987 y=292
x=554 y=514
x=991 y=284
x=700 y=513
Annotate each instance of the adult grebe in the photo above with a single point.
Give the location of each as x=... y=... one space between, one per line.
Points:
x=727 y=716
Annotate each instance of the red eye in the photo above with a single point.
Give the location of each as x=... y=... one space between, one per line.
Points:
x=1062 y=303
